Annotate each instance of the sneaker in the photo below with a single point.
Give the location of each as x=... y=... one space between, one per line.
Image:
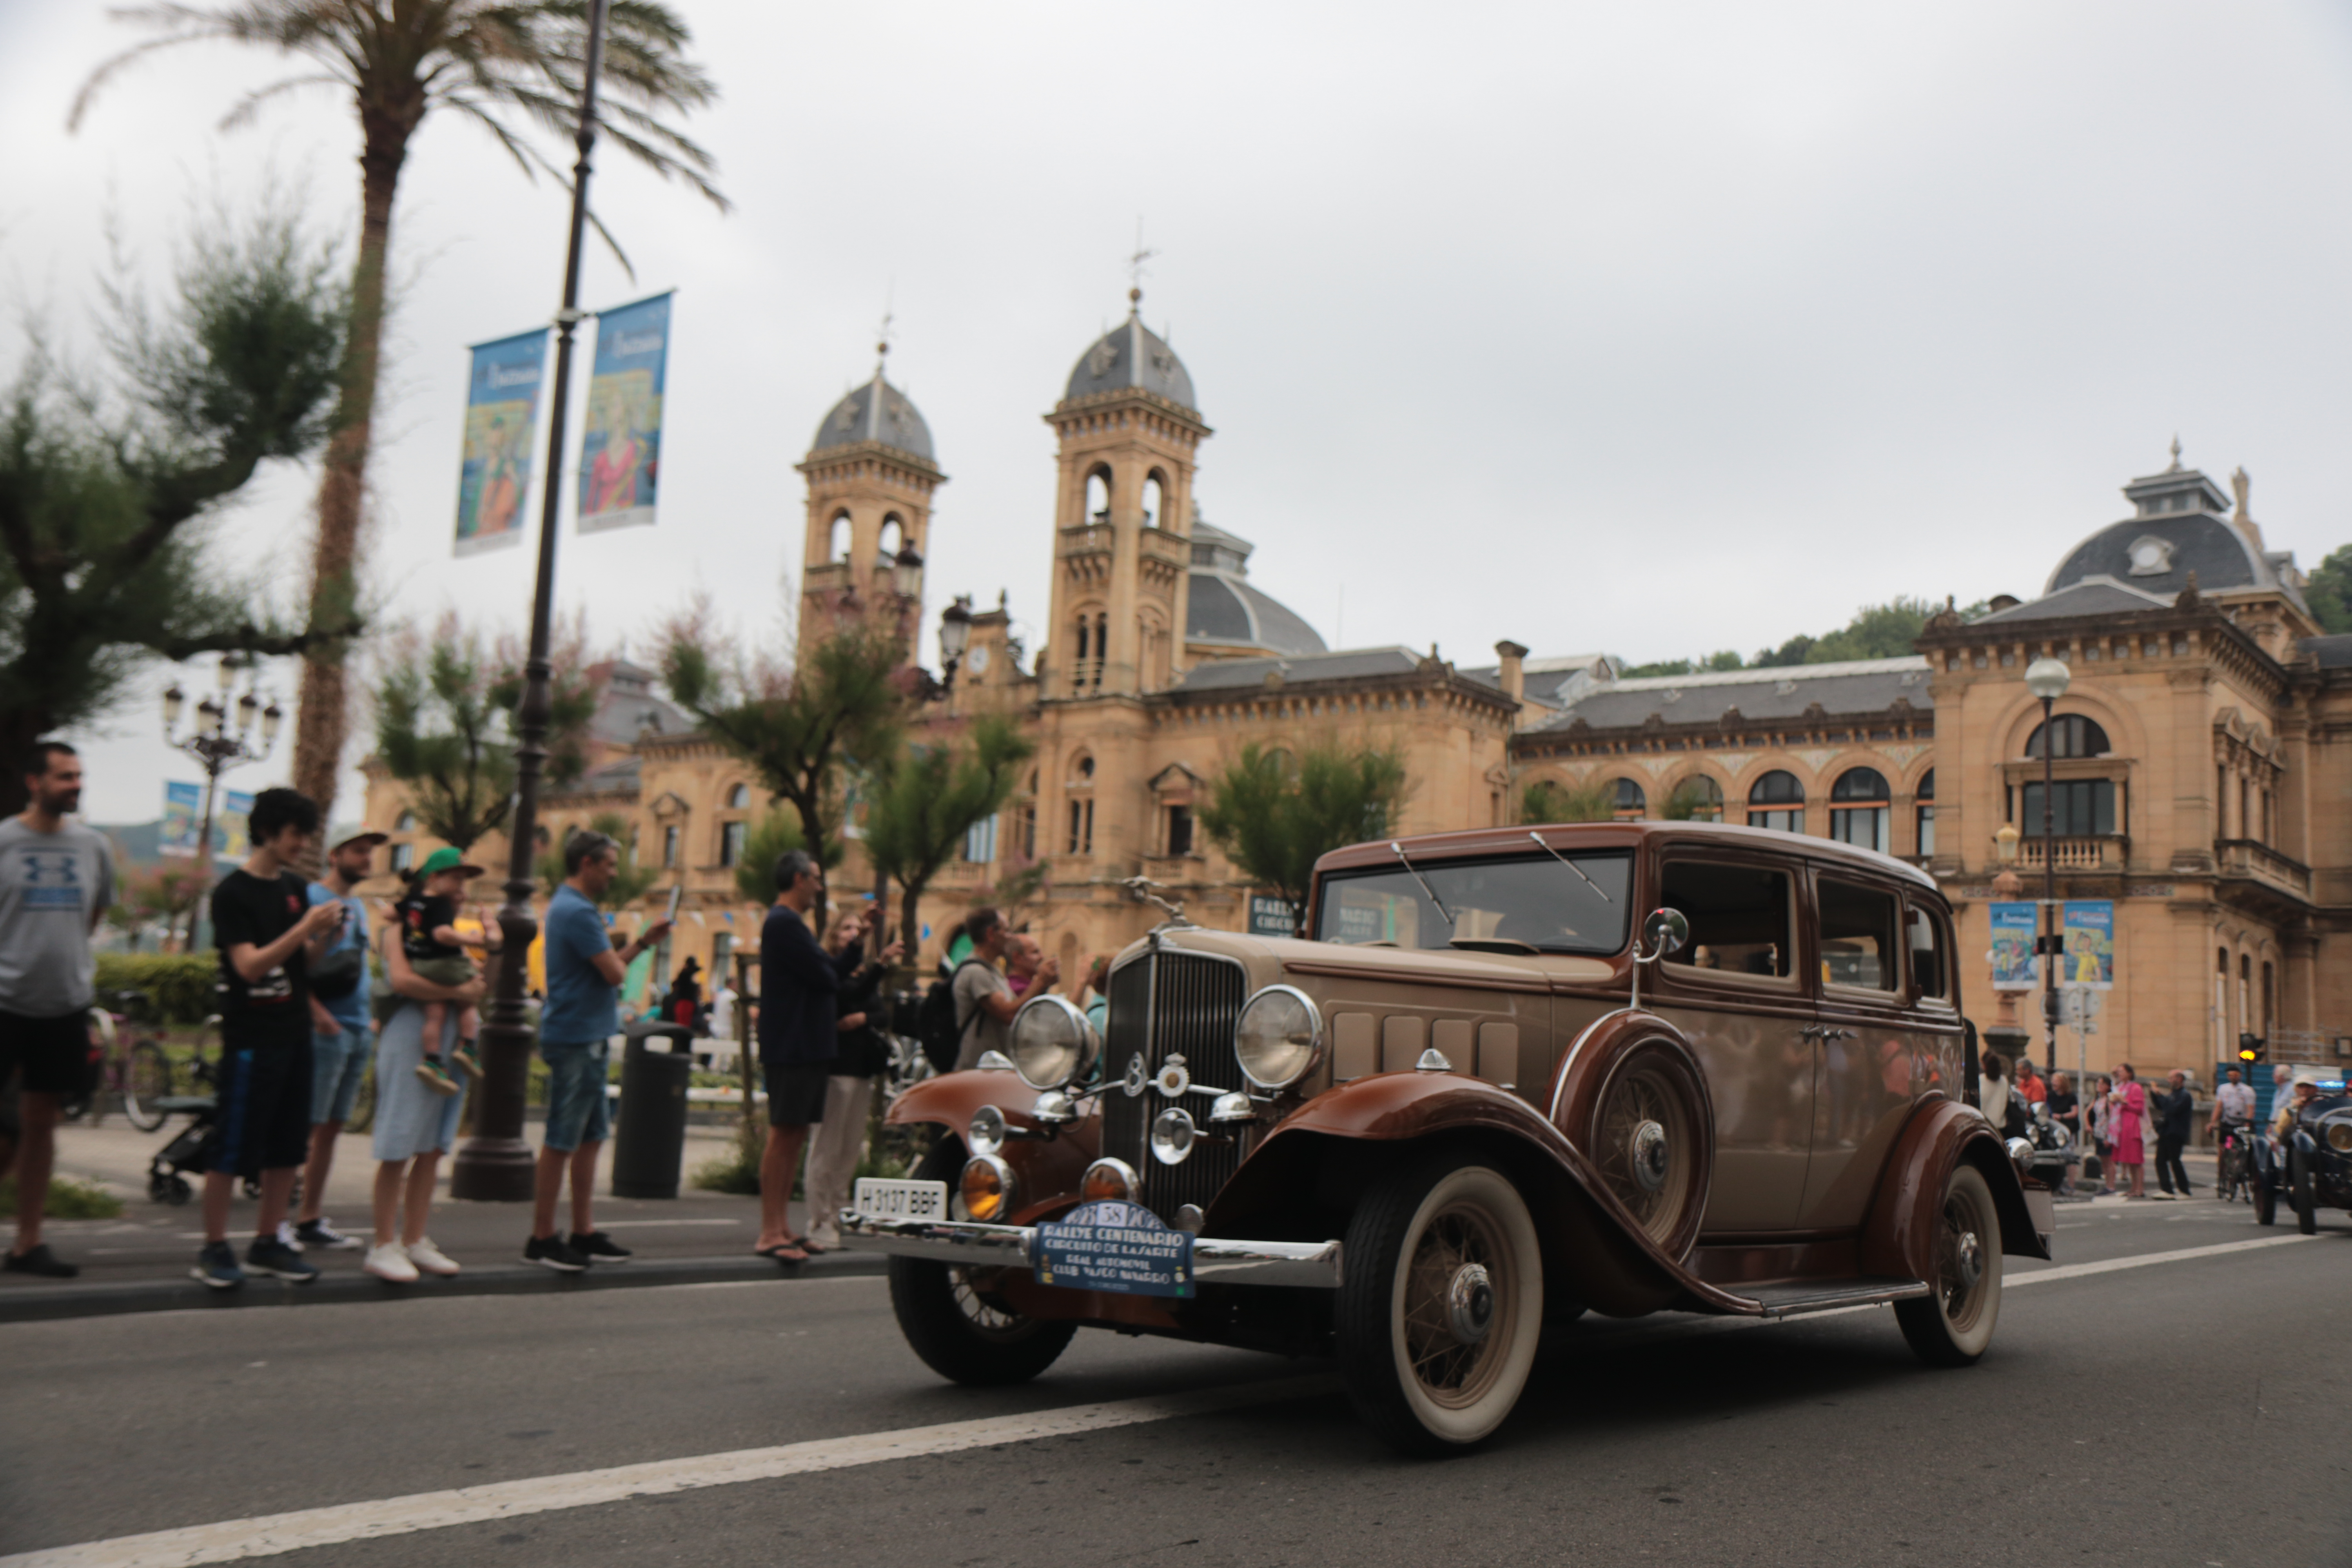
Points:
x=467 y=1061
x=40 y=1260
x=549 y=1252
x=431 y=1258
x=597 y=1247
x=436 y=1077
x=286 y=1235
x=390 y=1262
x=271 y=1256
x=318 y=1232
x=216 y=1267
x=826 y=1236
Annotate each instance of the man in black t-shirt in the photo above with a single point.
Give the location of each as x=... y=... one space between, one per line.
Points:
x=269 y=933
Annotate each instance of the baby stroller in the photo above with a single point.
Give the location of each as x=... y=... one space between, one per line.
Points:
x=186 y=1154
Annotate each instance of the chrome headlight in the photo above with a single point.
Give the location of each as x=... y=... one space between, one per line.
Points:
x=2339 y=1137
x=1171 y=1136
x=1278 y=1037
x=988 y=1189
x=1052 y=1042
x=985 y=1134
x=1110 y=1179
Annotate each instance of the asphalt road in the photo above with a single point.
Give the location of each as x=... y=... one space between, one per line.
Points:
x=2188 y=1411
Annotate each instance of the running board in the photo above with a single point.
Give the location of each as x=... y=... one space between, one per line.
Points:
x=1829 y=1295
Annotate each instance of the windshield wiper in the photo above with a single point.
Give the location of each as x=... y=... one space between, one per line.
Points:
x=1571 y=865
x=1424 y=884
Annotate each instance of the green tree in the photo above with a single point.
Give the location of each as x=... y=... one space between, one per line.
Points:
x=926 y=800
x=2329 y=591
x=769 y=839
x=1274 y=818
x=504 y=65
x=1547 y=800
x=442 y=729
x=1877 y=631
x=627 y=888
x=797 y=731
x=105 y=480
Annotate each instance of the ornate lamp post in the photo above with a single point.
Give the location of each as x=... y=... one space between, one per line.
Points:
x=2047 y=679
x=955 y=636
x=494 y=1165
x=215 y=748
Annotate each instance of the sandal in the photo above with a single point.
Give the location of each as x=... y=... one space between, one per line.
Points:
x=806 y=1244
x=784 y=1252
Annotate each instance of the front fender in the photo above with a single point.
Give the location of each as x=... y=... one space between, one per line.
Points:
x=1048 y=1168
x=1899 y=1235
x=1593 y=1246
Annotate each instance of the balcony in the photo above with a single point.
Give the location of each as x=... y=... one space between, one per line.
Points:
x=2087 y=852
x=2250 y=857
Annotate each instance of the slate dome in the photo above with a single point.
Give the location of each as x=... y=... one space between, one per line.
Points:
x=877 y=411
x=1131 y=355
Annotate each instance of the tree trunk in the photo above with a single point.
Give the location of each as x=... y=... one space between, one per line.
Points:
x=910 y=925
x=323 y=721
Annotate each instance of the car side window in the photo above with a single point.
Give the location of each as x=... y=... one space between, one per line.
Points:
x=1930 y=977
x=1858 y=937
x=1741 y=917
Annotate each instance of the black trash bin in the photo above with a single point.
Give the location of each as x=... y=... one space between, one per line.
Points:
x=649 y=1144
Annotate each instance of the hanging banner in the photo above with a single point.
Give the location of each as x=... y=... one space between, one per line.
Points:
x=501 y=417
x=620 y=455
x=2013 y=968
x=183 y=806
x=2089 y=929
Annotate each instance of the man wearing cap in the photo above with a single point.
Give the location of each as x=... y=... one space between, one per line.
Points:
x=339 y=1041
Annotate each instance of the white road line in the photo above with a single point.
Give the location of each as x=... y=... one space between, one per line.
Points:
x=653 y=1223
x=234 y=1539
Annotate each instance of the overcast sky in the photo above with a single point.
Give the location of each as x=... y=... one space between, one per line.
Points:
x=1646 y=329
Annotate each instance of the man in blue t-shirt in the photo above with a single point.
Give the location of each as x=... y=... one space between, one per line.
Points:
x=341 y=1043
x=575 y=1039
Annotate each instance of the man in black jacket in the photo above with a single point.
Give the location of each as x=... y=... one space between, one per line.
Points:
x=799 y=1037
x=2175 y=1113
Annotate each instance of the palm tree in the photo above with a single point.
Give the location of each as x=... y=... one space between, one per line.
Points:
x=503 y=66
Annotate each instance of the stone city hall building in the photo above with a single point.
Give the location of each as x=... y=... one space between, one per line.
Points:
x=2203 y=753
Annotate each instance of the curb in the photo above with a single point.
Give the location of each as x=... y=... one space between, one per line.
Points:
x=33 y=1305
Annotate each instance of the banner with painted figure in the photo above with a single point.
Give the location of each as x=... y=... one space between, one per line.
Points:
x=620 y=453
x=2089 y=929
x=501 y=417
x=2013 y=968
x=183 y=806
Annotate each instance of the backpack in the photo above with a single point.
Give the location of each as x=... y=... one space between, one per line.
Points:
x=936 y=1028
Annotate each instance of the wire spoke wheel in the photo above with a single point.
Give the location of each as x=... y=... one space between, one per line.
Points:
x=146 y=1079
x=956 y=1318
x=1954 y=1323
x=1645 y=1141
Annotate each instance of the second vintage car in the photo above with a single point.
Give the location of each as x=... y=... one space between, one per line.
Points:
x=1512 y=1076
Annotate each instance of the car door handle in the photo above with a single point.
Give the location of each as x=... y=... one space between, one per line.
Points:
x=1824 y=1033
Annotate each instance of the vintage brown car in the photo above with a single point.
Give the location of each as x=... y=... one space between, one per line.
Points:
x=1490 y=1094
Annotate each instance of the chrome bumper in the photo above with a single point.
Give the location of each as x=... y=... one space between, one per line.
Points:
x=1313 y=1263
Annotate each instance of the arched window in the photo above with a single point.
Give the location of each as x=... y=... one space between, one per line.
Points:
x=2076 y=736
x=1858 y=809
x=1698 y=798
x=407 y=823
x=1093 y=645
x=1155 y=500
x=838 y=548
x=1925 y=795
x=893 y=536
x=1099 y=496
x=1626 y=800
x=1777 y=800
x=738 y=797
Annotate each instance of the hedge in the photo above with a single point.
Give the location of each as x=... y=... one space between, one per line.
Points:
x=179 y=985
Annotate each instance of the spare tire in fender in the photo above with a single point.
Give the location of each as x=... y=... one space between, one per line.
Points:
x=1635 y=1102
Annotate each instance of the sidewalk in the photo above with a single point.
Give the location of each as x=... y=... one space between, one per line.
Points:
x=140 y=1262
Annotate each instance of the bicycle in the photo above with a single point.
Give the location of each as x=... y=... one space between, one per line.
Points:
x=2234 y=1161
x=137 y=1073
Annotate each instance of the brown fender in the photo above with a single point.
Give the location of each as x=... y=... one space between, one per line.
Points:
x=1584 y=1078
x=1591 y=1246
x=1046 y=1168
x=1898 y=1236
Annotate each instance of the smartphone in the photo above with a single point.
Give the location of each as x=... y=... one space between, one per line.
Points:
x=675 y=893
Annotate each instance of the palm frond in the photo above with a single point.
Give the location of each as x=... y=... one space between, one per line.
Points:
x=241 y=116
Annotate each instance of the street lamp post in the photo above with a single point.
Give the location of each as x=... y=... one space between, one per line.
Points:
x=215 y=748
x=2047 y=679
x=494 y=1165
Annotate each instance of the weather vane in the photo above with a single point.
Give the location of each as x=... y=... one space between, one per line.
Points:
x=1135 y=264
x=882 y=337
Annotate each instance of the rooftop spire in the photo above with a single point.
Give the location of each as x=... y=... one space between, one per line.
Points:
x=2175 y=455
x=1135 y=270
x=882 y=343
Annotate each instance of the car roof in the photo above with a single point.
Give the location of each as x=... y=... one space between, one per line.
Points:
x=1566 y=835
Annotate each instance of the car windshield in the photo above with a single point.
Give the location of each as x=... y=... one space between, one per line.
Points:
x=1536 y=899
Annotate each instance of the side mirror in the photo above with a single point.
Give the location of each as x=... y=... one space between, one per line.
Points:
x=1664 y=932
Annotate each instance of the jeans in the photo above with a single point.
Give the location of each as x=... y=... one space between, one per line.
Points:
x=578 y=1111
x=2168 y=1167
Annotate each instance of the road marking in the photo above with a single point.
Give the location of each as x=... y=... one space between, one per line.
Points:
x=650 y=1224
x=234 y=1539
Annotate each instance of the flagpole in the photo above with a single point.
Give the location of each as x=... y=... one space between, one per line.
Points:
x=494 y=1165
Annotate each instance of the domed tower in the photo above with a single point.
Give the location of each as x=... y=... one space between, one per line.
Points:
x=870 y=478
x=1129 y=437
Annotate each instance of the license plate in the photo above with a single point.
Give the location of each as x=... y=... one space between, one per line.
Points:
x=1118 y=1247
x=882 y=1197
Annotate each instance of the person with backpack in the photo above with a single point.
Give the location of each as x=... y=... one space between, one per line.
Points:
x=985 y=1003
x=341 y=1043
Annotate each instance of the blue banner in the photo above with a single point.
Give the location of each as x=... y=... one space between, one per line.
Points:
x=2013 y=926
x=501 y=416
x=620 y=456
x=183 y=806
x=2089 y=929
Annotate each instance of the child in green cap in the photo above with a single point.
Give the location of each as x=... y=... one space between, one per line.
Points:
x=429 y=935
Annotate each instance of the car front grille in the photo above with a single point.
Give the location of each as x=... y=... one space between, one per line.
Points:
x=1168 y=1003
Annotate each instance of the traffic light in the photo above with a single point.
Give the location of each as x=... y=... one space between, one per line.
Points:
x=2250 y=1046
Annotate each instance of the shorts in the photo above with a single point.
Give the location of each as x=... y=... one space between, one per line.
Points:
x=795 y=1094
x=52 y=1053
x=337 y=1063
x=263 y=1118
x=578 y=1110
x=459 y=971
